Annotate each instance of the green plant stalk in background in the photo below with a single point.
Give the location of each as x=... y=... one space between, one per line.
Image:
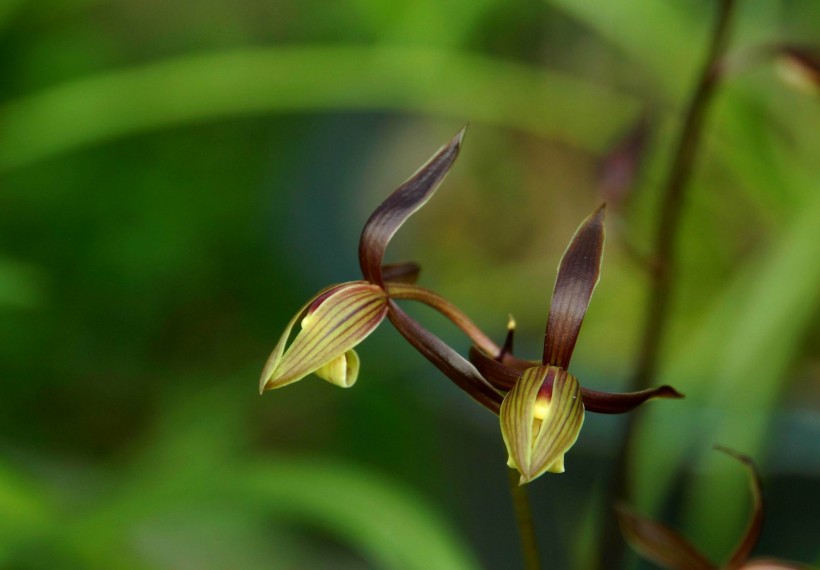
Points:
x=663 y=261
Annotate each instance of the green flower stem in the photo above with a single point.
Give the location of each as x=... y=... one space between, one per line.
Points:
x=446 y=308
x=664 y=262
x=523 y=518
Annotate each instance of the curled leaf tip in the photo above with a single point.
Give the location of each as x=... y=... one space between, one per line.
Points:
x=750 y=537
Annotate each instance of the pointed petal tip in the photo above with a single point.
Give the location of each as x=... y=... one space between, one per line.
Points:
x=459 y=138
x=667 y=391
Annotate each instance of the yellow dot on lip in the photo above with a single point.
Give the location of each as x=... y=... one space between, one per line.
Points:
x=540 y=409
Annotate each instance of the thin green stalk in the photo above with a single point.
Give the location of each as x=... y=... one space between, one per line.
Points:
x=665 y=263
x=523 y=518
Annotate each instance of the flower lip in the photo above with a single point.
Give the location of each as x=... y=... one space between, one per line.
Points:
x=333 y=322
x=541 y=418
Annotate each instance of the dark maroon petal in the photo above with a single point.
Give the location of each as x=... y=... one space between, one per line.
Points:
x=451 y=363
x=749 y=539
x=606 y=403
x=577 y=276
x=404 y=272
x=659 y=543
x=400 y=205
x=501 y=376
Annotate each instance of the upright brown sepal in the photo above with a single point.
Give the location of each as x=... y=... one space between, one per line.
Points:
x=400 y=205
x=578 y=274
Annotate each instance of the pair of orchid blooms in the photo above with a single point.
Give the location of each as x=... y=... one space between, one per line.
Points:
x=540 y=404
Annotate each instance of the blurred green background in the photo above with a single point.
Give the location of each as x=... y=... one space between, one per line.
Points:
x=177 y=178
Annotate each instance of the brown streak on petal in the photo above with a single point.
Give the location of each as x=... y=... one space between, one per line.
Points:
x=400 y=205
x=578 y=274
x=608 y=403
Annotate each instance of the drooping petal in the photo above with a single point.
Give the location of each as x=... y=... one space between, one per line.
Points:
x=659 y=543
x=446 y=308
x=609 y=403
x=578 y=275
x=504 y=374
x=335 y=321
x=400 y=205
x=451 y=363
x=540 y=420
x=500 y=375
x=750 y=537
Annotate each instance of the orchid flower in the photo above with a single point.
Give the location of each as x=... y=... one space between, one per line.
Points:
x=540 y=404
x=543 y=409
x=339 y=317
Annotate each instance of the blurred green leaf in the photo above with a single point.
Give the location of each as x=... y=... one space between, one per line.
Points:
x=394 y=528
x=24 y=512
x=733 y=368
x=20 y=285
x=200 y=88
x=634 y=25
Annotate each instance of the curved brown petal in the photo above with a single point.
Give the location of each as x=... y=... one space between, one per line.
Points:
x=608 y=403
x=500 y=375
x=451 y=363
x=659 y=543
x=749 y=540
x=400 y=205
x=445 y=308
x=578 y=274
